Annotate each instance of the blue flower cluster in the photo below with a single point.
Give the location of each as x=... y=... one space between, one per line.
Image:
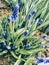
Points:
x=15 y=13
x=40 y=60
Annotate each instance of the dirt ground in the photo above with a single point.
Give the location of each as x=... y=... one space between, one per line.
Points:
x=4 y=10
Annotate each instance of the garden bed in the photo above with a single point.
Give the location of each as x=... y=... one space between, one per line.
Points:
x=24 y=32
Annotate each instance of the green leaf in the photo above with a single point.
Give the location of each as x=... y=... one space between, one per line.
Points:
x=11 y=25
x=14 y=55
x=17 y=62
x=44 y=11
x=4 y=52
x=19 y=31
x=15 y=1
x=43 y=24
x=25 y=52
x=29 y=61
x=46 y=17
x=7 y=1
x=35 y=25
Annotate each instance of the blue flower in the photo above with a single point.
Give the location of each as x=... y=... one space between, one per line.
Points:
x=3 y=43
x=11 y=5
x=26 y=33
x=8 y=19
x=28 y=46
x=47 y=41
x=8 y=47
x=14 y=47
x=29 y=16
x=16 y=10
x=14 y=17
x=43 y=37
x=32 y=14
x=40 y=42
x=5 y=34
x=15 y=13
x=19 y=26
x=42 y=46
x=40 y=21
x=47 y=61
x=40 y=60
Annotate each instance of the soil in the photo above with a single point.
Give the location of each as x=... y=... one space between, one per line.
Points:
x=4 y=9
x=4 y=61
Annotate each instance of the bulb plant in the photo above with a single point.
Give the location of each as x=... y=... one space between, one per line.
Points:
x=17 y=31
